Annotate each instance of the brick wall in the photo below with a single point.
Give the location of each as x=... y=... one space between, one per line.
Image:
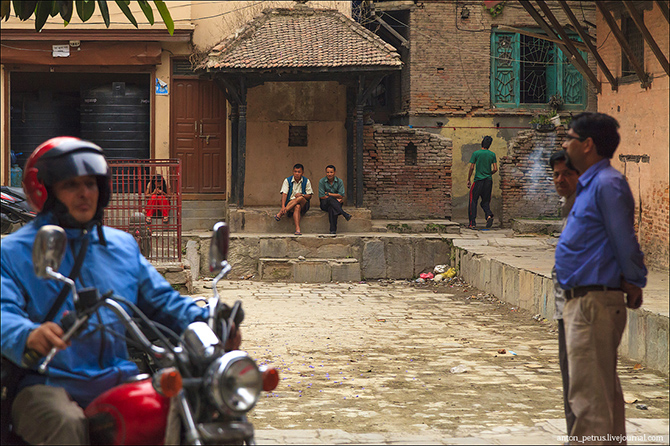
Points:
x=653 y=227
x=396 y=189
x=526 y=177
x=449 y=65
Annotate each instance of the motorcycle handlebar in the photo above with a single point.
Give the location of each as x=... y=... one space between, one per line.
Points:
x=134 y=330
x=32 y=357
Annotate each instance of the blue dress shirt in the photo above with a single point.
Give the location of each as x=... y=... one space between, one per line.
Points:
x=598 y=245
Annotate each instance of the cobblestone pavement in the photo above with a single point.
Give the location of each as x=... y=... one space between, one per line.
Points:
x=374 y=363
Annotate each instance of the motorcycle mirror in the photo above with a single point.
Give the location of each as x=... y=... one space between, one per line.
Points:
x=48 y=249
x=218 y=248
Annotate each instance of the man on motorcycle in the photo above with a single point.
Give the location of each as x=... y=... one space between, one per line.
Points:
x=67 y=180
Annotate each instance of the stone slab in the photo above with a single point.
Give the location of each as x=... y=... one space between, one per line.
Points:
x=312 y=271
x=373 y=265
x=348 y=271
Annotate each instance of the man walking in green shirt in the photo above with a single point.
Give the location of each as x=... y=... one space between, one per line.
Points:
x=486 y=165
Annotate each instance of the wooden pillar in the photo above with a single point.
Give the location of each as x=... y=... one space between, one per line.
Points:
x=241 y=142
x=349 y=125
x=234 y=120
x=359 y=141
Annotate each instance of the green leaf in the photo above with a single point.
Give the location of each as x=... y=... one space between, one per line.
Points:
x=85 y=9
x=126 y=10
x=42 y=14
x=146 y=9
x=66 y=10
x=104 y=10
x=165 y=15
x=54 y=9
x=5 y=9
x=24 y=9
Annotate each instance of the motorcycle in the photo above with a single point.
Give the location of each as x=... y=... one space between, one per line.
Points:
x=15 y=208
x=196 y=392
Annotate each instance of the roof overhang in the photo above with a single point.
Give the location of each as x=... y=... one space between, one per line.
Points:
x=99 y=35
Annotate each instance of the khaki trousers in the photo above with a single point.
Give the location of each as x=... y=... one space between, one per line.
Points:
x=594 y=324
x=47 y=415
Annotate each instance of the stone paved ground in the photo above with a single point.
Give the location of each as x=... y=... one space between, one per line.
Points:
x=371 y=363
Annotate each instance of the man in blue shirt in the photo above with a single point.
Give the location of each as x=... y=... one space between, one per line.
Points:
x=331 y=196
x=598 y=261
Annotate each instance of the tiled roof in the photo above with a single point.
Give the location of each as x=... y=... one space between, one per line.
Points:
x=301 y=38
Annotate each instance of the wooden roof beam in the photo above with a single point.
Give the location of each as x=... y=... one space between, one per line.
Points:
x=587 y=41
x=664 y=9
x=568 y=43
x=578 y=45
x=577 y=60
x=618 y=35
x=639 y=22
x=404 y=42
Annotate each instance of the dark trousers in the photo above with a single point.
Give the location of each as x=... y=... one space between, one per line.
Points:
x=334 y=208
x=563 y=363
x=480 y=189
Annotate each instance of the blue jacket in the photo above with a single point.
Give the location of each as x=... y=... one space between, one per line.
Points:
x=95 y=362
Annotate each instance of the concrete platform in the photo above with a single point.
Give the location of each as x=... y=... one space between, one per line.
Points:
x=255 y=220
x=517 y=269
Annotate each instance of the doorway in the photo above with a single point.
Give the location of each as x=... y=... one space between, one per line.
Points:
x=198 y=130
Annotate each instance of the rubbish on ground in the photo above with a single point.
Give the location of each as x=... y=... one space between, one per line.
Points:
x=426 y=276
x=438 y=278
x=381 y=320
x=638 y=367
x=420 y=280
x=248 y=276
x=439 y=269
x=512 y=353
x=642 y=407
x=459 y=369
x=301 y=257
x=451 y=272
x=502 y=351
x=629 y=399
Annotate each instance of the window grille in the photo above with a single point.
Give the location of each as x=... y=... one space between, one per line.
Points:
x=527 y=71
x=182 y=67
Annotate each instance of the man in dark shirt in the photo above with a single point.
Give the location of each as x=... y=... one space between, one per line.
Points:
x=486 y=165
x=598 y=260
x=331 y=196
x=565 y=181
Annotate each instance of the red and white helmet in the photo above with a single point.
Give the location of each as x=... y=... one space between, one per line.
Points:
x=62 y=158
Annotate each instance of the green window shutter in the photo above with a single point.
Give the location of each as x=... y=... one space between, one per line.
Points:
x=571 y=81
x=505 y=70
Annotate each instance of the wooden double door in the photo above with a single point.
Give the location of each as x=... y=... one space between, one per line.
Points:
x=198 y=118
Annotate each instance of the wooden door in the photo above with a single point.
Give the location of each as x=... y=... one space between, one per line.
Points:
x=199 y=135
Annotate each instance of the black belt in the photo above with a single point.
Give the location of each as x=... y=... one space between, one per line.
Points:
x=580 y=291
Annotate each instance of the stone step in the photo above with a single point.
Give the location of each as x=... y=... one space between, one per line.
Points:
x=304 y=270
x=375 y=255
x=202 y=214
x=528 y=226
x=417 y=226
x=261 y=220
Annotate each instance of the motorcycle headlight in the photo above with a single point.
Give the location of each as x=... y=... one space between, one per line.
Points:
x=234 y=382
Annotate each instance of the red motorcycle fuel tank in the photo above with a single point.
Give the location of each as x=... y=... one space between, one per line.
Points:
x=131 y=413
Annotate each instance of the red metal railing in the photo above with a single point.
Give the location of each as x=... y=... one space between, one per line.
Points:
x=146 y=202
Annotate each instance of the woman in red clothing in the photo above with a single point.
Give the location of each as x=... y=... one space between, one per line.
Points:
x=157 y=188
